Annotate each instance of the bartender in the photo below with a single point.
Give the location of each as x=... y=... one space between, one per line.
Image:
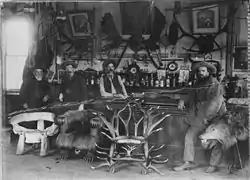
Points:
x=111 y=84
x=74 y=87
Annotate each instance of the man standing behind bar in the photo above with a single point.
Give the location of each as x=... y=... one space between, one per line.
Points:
x=205 y=102
x=74 y=87
x=111 y=84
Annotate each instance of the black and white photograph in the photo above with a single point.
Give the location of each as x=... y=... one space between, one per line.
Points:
x=127 y=89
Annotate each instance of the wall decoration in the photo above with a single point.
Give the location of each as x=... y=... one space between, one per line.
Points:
x=81 y=23
x=205 y=19
x=240 y=59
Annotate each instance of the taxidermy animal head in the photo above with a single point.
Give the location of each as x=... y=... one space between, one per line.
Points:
x=220 y=132
x=226 y=129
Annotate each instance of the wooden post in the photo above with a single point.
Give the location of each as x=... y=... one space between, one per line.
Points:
x=230 y=41
x=44 y=145
x=20 y=144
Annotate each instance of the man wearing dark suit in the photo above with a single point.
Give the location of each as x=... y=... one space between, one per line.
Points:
x=74 y=87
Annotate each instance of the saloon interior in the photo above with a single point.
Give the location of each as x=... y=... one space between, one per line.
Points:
x=154 y=46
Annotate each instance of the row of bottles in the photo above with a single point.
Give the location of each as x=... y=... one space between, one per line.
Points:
x=92 y=79
x=168 y=80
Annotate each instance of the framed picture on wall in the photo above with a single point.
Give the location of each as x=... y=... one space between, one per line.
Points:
x=240 y=62
x=81 y=23
x=205 y=19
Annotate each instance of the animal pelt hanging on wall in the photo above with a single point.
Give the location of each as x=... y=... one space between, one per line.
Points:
x=41 y=53
x=135 y=22
x=173 y=32
x=41 y=56
x=79 y=133
x=158 y=25
x=110 y=37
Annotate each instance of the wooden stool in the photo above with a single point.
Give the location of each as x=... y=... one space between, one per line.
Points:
x=38 y=135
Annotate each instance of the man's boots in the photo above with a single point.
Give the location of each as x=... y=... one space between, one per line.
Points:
x=185 y=166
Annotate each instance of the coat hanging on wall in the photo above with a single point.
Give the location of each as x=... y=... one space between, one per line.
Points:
x=136 y=21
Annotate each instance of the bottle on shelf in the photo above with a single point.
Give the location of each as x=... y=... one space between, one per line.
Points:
x=92 y=80
x=146 y=80
x=152 y=80
x=173 y=80
x=167 y=79
x=97 y=78
x=177 y=83
x=190 y=79
x=157 y=83
x=143 y=82
x=162 y=81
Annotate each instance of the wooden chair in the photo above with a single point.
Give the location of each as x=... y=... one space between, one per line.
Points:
x=130 y=129
x=38 y=135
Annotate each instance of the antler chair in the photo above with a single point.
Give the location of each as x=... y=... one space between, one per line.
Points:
x=138 y=124
x=38 y=135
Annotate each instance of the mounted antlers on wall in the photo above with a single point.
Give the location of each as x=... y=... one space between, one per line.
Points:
x=205 y=42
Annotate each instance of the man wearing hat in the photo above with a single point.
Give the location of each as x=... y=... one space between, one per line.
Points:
x=111 y=84
x=35 y=90
x=205 y=102
x=73 y=87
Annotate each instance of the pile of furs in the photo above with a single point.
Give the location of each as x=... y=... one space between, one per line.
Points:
x=79 y=132
x=226 y=129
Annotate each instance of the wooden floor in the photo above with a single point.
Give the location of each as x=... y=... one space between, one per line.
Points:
x=31 y=166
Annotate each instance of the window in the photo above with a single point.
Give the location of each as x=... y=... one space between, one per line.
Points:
x=17 y=34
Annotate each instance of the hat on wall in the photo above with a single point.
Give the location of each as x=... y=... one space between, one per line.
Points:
x=69 y=62
x=209 y=66
x=107 y=62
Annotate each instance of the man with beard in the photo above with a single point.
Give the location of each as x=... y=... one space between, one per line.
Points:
x=205 y=102
x=74 y=87
x=111 y=84
x=35 y=90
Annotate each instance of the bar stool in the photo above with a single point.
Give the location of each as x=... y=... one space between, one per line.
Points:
x=38 y=135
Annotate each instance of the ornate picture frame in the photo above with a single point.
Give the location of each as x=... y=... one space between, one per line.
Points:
x=81 y=23
x=205 y=19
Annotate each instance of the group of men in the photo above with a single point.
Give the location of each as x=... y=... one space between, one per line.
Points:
x=35 y=91
x=205 y=102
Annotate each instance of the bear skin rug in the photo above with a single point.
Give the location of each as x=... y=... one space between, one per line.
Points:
x=79 y=134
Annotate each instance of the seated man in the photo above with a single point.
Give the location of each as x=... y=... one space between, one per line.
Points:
x=74 y=87
x=111 y=84
x=205 y=102
x=35 y=90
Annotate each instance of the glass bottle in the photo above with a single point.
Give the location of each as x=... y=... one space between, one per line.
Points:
x=152 y=80
x=162 y=82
